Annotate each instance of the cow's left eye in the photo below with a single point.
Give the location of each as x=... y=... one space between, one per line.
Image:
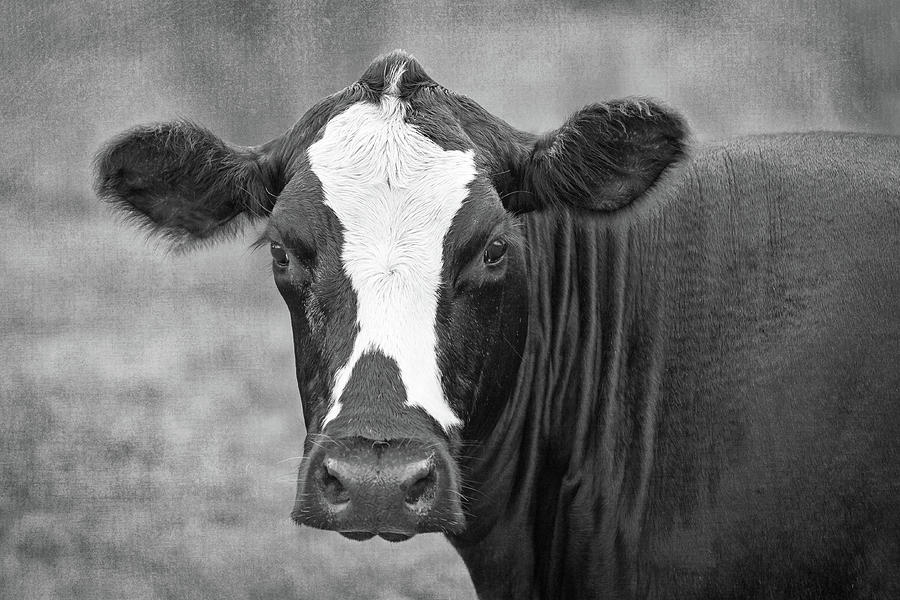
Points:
x=495 y=251
x=278 y=254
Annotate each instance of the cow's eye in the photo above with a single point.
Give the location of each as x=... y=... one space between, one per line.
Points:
x=495 y=251
x=278 y=254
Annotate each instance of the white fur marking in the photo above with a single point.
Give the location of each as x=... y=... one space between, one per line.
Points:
x=393 y=77
x=395 y=192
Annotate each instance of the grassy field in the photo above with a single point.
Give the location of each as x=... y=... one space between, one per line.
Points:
x=150 y=427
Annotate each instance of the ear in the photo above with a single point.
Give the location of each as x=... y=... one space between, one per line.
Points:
x=602 y=158
x=186 y=183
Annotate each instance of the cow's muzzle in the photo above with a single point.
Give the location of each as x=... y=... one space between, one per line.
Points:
x=394 y=489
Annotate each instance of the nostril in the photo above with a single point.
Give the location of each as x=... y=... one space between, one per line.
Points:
x=332 y=488
x=421 y=486
x=421 y=492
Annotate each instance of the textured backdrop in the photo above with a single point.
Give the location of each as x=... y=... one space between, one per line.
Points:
x=149 y=419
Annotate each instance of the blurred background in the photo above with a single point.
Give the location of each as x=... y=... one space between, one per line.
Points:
x=149 y=419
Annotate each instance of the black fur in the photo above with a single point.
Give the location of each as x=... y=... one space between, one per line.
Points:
x=605 y=155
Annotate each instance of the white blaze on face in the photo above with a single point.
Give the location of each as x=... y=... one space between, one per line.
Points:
x=395 y=193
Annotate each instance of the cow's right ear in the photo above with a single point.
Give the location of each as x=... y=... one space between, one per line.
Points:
x=186 y=183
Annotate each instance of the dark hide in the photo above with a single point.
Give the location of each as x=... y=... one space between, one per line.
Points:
x=707 y=406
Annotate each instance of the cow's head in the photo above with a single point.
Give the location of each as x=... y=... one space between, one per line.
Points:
x=393 y=211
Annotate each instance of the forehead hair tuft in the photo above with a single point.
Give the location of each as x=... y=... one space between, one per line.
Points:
x=396 y=74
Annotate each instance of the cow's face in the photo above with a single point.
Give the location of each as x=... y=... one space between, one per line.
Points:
x=393 y=227
x=404 y=276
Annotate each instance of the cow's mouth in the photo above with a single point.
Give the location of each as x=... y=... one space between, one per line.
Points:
x=391 y=536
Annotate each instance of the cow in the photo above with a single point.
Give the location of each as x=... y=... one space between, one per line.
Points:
x=605 y=362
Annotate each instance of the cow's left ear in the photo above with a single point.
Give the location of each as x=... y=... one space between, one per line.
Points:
x=603 y=157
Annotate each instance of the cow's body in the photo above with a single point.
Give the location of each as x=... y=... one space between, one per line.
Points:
x=602 y=364
x=709 y=400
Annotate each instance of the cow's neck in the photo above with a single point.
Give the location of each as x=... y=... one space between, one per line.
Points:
x=578 y=426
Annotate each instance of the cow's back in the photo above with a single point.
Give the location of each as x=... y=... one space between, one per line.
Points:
x=777 y=453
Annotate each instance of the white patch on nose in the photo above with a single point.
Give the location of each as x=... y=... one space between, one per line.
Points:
x=395 y=193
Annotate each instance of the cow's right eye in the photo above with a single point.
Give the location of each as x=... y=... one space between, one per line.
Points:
x=279 y=255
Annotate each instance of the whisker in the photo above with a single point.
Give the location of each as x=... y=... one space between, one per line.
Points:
x=510 y=193
x=284 y=460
